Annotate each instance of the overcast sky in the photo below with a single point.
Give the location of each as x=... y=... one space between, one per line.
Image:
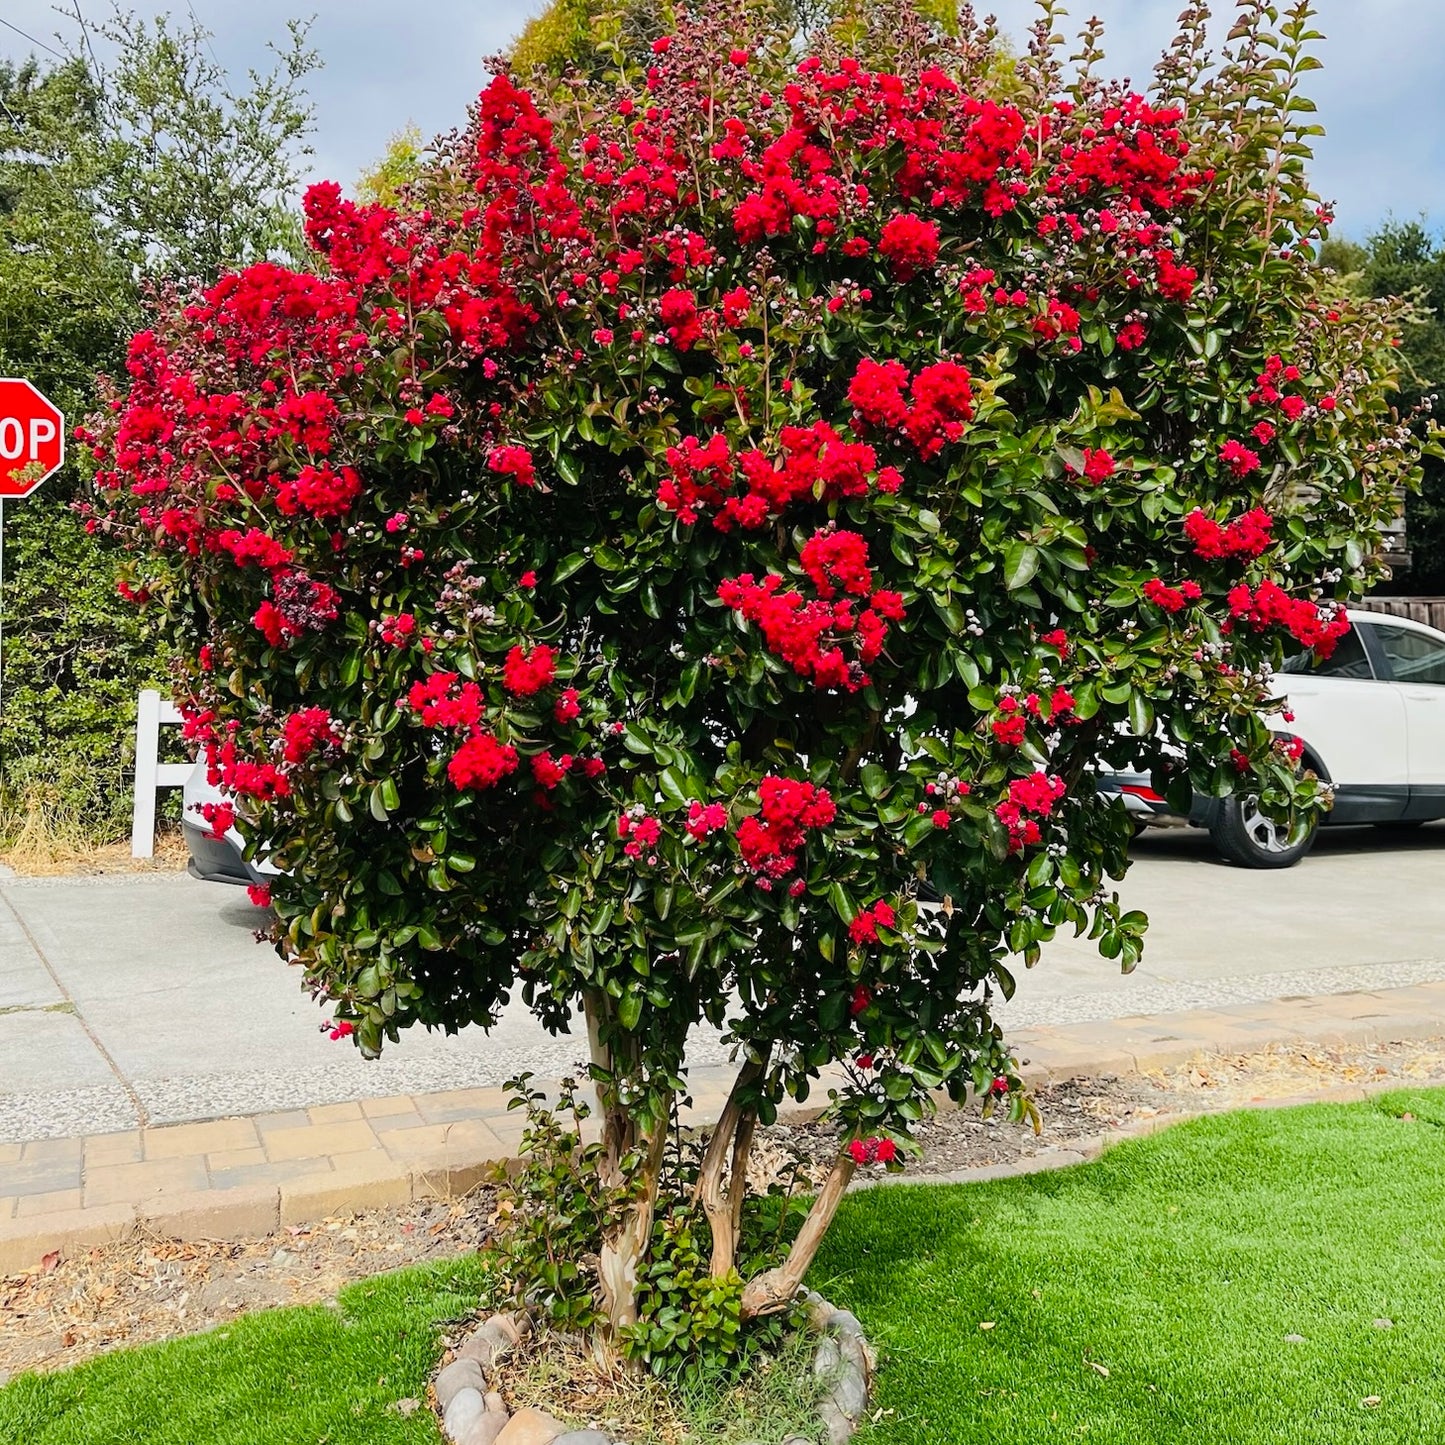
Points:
x=390 y=62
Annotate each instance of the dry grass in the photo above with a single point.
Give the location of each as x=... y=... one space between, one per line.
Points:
x=563 y=1375
x=44 y=837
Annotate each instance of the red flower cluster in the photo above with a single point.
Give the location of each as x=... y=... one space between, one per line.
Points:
x=1176 y=282
x=444 y=700
x=305 y=731
x=679 y=315
x=1099 y=466
x=867 y=921
x=324 y=491
x=940 y=401
x=1239 y=459
x=770 y=839
x=641 y=830
x=549 y=771
x=705 y=818
x=1135 y=149
x=805 y=634
x=872 y=1151
x=837 y=559
x=566 y=709
x=1311 y=625
x=481 y=762
x=815 y=462
x=525 y=673
x=1171 y=599
x=221 y=817
x=1034 y=794
x=1246 y=536
x=1013 y=724
x=515 y=462
x=909 y=245
x=255 y=546
x=301 y=605
x=397 y=631
x=1270 y=391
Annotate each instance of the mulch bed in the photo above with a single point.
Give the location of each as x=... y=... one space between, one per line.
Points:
x=152 y=1288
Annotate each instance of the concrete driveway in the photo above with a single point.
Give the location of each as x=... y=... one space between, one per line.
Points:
x=144 y=999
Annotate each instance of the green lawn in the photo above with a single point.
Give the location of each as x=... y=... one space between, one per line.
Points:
x=1177 y=1264
x=305 y=1376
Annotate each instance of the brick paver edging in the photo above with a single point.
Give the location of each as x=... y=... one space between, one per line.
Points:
x=244 y=1177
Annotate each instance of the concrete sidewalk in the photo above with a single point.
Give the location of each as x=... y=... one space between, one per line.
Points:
x=134 y=1001
x=245 y=1176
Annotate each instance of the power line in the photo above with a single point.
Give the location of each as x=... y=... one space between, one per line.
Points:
x=204 y=33
x=97 y=68
x=27 y=36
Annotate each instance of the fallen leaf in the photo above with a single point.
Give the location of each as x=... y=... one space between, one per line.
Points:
x=985 y=1324
x=1294 y=1339
x=408 y=1406
x=1383 y=1324
x=1370 y=1401
x=49 y=1261
x=1102 y=1369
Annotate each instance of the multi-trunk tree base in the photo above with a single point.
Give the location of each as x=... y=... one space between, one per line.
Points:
x=472 y=1392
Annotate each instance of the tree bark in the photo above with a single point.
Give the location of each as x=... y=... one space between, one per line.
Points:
x=625 y=1240
x=722 y=1196
x=777 y=1288
x=624 y=1245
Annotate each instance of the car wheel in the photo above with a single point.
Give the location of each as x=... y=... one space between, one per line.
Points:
x=1244 y=835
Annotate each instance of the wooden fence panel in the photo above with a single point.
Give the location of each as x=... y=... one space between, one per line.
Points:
x=1429 y=610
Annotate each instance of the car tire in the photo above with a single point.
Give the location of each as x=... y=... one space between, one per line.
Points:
x=1244 y=836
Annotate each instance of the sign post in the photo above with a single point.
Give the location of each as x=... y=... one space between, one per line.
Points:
x=32 y=448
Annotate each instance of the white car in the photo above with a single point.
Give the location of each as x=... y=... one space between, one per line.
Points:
x=216 y=860
x=1372 y=720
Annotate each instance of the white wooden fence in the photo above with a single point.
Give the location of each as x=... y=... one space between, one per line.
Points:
x=150 y=774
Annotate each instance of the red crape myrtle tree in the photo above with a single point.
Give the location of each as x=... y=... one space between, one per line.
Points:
x=684 y=562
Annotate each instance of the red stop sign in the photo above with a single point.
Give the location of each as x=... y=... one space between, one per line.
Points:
x=32 y=438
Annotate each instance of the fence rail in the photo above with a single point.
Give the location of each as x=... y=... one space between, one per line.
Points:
x=151 y=714
x=1429 y=610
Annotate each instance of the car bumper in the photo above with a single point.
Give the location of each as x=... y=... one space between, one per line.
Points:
x=216 y=860
x=1148 y=808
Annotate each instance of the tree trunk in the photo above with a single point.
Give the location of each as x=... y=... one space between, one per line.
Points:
x=625 y=1243
x=776 y=1289
x=630 y=1160
x=722 y=1196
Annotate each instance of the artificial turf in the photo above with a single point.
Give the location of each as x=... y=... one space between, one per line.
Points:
x=1148 y=1297
x=1257 y=1278
x=311 y=1375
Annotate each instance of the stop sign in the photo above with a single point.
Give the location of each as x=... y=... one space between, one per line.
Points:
x=32 y=438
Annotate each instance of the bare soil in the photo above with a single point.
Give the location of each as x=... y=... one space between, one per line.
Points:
x=94 y=1300
x=41 y=855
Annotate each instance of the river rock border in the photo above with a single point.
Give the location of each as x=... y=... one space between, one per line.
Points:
x=472 y=1412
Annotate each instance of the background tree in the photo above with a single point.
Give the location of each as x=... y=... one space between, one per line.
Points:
x=1405 y=258
x=112 y=180
x=398 y=166
x=685 y=562
x=589 y=37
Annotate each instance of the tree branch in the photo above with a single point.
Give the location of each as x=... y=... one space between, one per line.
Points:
x=722 y=1200
x=774 y=1290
